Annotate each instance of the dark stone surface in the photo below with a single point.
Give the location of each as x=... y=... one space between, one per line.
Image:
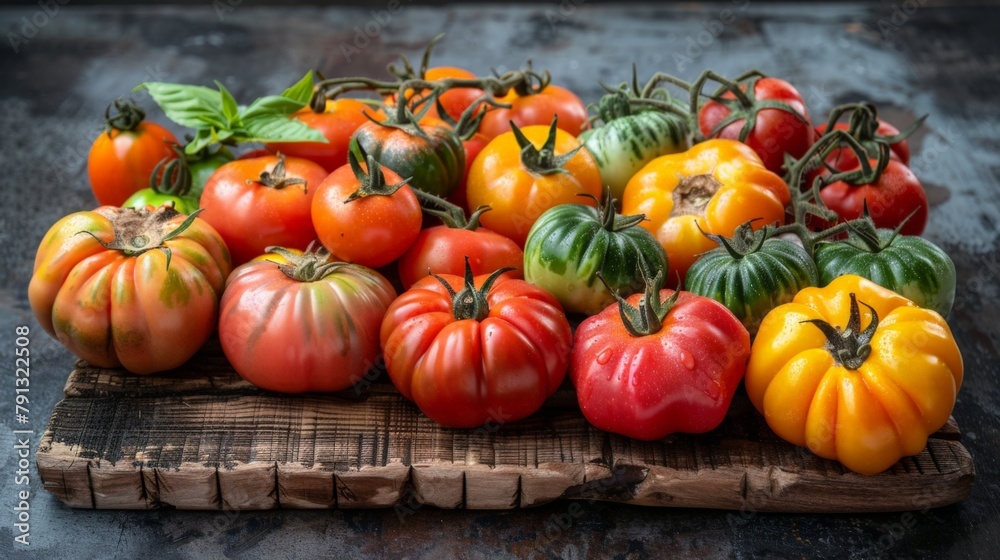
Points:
x=934 y=60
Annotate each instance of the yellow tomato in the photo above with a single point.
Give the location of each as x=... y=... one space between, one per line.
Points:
x=716 y=185
x=855 y=372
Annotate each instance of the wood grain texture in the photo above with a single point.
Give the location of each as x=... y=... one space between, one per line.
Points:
x=202 y=438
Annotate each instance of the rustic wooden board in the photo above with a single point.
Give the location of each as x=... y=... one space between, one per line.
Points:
x=202 y=438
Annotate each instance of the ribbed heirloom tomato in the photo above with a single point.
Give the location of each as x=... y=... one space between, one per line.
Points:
x=659 y=362
x=855 y=372
x=712 y=188
x=264 y=201
x=522 y=173
x=294 y=322
x=122 y=159
x=130 y=288
x=473 y=350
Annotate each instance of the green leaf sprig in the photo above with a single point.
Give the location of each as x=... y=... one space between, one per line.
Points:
x=216 y=117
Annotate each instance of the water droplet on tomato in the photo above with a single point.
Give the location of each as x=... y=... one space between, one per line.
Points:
x=713 y=389
x=687 y=359
x=604 y=357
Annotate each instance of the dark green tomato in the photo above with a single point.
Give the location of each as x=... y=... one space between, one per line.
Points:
x=570 y=243
x=908 y=265
x=624 y=145
x=203 y=167
x=433 y=164
x=185 y=204
x=755 y=283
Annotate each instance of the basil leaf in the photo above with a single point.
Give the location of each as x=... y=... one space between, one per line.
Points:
x=270 y=106
x=202 y=139
x=230 y=109
x=278 y=128
x=302 y=90
x=191 y=106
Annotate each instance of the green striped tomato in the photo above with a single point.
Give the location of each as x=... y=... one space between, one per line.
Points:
x=433 y=163
x=571 y=243
x=906 y=264
x=752 y=273
x=624 y=145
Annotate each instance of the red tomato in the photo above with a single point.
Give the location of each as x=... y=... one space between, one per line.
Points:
x=892 y=198
x=303 y=323
x=775 y=132
x=493 y=352
x=844 y=157
x=443 y=250
x=537 y=108
x=366 y=217
x=676 y=376
x=341 y=118
x=260 y=202
x=122 y=159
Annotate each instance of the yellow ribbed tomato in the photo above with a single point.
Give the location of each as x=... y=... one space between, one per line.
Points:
x=717 y=185
x=855 y=372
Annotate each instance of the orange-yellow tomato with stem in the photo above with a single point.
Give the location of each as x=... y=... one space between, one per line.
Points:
x=520 y=184
x=716 y=185
x=855 y=372
x=130 y=288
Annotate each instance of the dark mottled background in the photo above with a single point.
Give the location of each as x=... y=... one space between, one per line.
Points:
x=909 y=57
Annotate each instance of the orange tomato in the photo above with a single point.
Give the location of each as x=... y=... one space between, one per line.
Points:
x=121 y=160
x=337 y=123
x=519 y=189
x=716 y=185
x=129 y=288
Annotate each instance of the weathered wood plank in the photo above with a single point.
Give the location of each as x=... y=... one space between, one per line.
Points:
x=203 y=439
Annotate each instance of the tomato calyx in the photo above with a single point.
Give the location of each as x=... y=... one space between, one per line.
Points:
x=138 y=231
x=544 y=160
x=128 y=117
x=451 y=215
x=372 y=182
x=647 y=317
x=743 y=104
x=629 y=99
x=277 y=178
x=863 y=126
x=606 y=214
x=471 y=303
x=852 y=346
x=171 y=176
x=745 y=241
x=863 y=233
x=312 y=265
